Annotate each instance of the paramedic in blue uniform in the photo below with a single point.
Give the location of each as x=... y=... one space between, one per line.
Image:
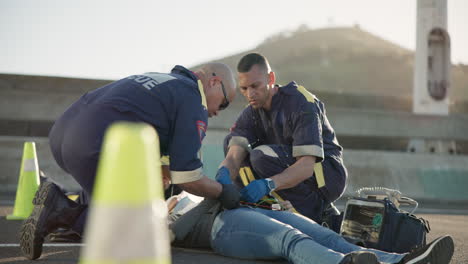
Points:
x=176 y=104
x=283 y=134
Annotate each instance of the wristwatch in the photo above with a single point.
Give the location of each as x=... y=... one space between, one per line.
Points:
x=271 y=184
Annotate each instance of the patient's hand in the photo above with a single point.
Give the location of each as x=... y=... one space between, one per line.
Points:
x=166 y=176
x=171 y=202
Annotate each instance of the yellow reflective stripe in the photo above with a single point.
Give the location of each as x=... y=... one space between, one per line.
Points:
x=165 y=160
x=73 y=197
x=243 y=176
x=318 y=169
x=308 y=95
x=318 y=166
x=202 y=93
x=250 y=174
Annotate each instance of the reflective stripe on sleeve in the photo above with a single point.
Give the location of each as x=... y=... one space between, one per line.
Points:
x=178 y=177
x=307 y=150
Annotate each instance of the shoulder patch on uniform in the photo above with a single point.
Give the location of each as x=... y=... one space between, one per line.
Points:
x=201 y=127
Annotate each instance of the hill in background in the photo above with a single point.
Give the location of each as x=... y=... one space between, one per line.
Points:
x=349 y=61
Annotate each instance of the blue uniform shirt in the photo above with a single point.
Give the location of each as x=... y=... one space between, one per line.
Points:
x=293 y=121
x=173 y=105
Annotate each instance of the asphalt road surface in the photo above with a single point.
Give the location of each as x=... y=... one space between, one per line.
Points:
x=442 y=222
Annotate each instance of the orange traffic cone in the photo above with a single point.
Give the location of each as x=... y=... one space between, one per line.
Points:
x=127 y=222
x=27 y=184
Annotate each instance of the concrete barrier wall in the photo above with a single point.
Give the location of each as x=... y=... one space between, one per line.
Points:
x=34 y=106
x=420 y=176
x=40 y=97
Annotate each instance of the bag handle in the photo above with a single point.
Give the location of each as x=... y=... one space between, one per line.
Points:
x=379 y=193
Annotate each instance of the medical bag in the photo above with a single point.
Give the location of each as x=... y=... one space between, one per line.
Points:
x=373 y=219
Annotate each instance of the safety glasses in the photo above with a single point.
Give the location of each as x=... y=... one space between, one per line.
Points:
x=225 y=103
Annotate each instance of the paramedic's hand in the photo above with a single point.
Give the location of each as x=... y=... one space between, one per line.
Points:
x=229 y=197
x=223 y=176
x=254 y=191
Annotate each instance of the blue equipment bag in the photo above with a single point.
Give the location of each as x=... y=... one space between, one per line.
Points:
x=376 y=222
x=402 y=231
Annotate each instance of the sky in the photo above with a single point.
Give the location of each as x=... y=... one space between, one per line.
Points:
x=111 y=39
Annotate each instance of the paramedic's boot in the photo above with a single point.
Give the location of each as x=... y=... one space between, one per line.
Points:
x=439 y=251
x=63 y=235
x=52 y=209
x=359 y=257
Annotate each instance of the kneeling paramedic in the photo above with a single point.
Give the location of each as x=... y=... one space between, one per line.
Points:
x=176 y=104
x=284 y=139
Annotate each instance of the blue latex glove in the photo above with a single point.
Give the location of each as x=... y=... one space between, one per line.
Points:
x=254 y=191
x=223 y=176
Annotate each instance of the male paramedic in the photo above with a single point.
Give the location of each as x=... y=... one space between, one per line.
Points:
x=283 y=135
x=176 y=104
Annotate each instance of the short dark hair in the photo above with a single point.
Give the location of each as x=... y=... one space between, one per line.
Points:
x=251 y=59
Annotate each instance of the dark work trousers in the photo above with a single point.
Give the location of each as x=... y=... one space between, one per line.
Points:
x=306 y=197
x=75 y=141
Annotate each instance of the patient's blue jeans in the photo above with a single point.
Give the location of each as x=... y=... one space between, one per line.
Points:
x=254 y=233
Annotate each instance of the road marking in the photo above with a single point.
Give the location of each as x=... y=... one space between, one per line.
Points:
x=48 y=245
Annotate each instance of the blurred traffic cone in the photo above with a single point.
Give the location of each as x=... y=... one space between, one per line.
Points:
x=27 y=184
x=128 y=215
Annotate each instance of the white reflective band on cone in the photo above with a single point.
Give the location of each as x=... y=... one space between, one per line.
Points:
x=127 y=234
x=30 y=165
